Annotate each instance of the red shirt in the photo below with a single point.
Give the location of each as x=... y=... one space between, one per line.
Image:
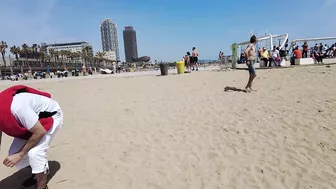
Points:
x=298 y=53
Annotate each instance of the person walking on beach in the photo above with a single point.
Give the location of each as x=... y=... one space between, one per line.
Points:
x=250 y=53
x=187 y=61
x=32 y=118
x=221 y=58
x=194 y=58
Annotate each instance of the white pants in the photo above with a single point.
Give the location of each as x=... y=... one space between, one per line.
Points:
x=36 y=158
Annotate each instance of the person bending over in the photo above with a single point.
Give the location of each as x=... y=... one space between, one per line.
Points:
x=32 y=118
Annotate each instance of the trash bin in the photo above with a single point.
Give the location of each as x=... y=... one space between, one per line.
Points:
x=164 y=69
x=73 y=72
x=180 y=67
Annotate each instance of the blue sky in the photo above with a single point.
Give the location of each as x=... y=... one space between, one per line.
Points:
x=166 y=30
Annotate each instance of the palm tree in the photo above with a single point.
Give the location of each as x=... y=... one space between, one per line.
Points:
x=54 y=56
x=57 y=55
x=41 y=54
x=48 y=57
x=100 y=56
x=68 y=56
x=61 y=53
x=87 y=53
x=34 y=52
x=25 y=50
x=16 y=51
x=3 y=47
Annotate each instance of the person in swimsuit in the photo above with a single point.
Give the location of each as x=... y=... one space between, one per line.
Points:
x=250 y=53
x=187 y=61
x=194 y=59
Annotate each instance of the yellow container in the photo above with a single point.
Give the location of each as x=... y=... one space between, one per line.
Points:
x=131 y=69
x=180 y=67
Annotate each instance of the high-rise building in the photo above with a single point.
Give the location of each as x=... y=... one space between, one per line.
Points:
x=130 y=43
x=109 y=37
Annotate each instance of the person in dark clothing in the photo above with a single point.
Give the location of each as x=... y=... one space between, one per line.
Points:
x=321 y=48
x=317 y=54
x=305 y=50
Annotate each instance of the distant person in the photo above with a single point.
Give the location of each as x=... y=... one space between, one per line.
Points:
x=242 y=58
x=265 y=56
x=305 y=50
x=321 y=48
x=250 y=53
x=221 y=58
x=326 y=47
x=276 y=56
x=84 y=70
x=317 y=54
x=33 y=119
x=259 y=54
x=194 y=59
x=297 y=53
x=187 y=61
x=48 y=70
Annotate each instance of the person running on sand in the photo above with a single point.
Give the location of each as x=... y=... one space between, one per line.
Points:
x=250 y=53
x=32 y=118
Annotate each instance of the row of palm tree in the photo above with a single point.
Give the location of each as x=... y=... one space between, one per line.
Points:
x=36 y=53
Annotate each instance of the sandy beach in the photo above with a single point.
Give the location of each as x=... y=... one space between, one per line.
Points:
x=187 y=131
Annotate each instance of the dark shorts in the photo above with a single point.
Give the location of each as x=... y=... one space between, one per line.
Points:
x=250 y=66
x=193 y=60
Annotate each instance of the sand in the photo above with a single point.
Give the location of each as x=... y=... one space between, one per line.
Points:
x=186 y=131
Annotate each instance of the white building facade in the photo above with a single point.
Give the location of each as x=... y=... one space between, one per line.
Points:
x=109 y=37
x=72 y=47
x=110 y=55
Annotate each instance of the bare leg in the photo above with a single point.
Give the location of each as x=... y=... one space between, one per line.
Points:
x=252 y=78
x=249 y=83
x=41 y=179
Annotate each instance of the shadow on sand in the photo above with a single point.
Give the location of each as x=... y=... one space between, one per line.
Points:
x=230 y=89
x=14 y=181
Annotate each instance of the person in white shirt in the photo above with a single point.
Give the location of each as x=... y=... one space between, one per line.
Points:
x=31 y=110
x=276 y=56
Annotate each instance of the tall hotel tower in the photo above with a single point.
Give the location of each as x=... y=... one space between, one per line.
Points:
x=130 y=43
x=109 y=37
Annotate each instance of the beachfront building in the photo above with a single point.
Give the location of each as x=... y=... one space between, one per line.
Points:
x=110 y=55
x=109 y=37
x=72 y=47
x=130 y=43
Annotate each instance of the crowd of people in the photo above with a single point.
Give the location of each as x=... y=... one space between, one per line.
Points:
x=269 y=59
x=276 y=55
x=317 y=52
